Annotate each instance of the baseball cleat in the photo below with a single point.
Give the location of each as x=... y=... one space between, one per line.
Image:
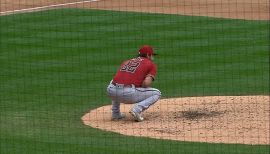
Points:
x=137 y=116
x=118 y=117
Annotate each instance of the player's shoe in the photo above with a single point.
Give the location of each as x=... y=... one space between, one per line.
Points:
x=137 y=116
x=118 y=117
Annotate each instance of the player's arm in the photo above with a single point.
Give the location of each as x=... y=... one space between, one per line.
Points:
x=147 y=82
x=150 y=77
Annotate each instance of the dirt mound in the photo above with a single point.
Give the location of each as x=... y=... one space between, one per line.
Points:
x=218 y=119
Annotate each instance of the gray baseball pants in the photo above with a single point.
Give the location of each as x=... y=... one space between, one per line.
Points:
x=141 y=97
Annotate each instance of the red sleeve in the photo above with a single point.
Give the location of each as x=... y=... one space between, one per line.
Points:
x=153 y=71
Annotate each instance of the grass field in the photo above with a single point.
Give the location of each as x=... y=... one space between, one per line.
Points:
x=55 y=66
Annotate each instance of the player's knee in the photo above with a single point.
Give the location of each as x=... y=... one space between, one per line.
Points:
x=158 y=93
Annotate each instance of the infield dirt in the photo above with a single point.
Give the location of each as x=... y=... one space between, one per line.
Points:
x=237 y=9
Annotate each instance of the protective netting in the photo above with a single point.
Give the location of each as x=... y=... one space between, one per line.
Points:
x=57 y=58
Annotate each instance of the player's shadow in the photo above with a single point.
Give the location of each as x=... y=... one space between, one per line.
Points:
x=199 y=114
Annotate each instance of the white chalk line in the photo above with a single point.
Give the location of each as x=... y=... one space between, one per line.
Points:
x=44 y=7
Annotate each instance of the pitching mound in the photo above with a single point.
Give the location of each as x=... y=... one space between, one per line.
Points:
x=219 y=119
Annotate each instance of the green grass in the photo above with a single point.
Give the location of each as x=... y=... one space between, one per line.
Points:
x=55 y=66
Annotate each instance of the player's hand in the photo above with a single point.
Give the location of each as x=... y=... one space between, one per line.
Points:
x=147 y=82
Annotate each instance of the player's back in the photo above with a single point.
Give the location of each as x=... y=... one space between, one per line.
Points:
x=134 y=71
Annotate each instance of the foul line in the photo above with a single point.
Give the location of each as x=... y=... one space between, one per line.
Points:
x=44 y=7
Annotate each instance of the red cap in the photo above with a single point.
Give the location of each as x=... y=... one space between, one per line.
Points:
x=147 y=49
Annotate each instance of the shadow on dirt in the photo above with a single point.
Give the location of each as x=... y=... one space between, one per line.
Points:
x=198 y=114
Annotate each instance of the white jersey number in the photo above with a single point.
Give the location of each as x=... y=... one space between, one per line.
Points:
x=131 y=66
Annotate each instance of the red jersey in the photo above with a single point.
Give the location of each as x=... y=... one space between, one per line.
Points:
x=134 y=71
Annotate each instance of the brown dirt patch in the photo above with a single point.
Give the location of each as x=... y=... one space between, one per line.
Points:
x=218 y=119
x=237 y=9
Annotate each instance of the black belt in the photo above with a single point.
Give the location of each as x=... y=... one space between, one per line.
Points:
x=123 y=85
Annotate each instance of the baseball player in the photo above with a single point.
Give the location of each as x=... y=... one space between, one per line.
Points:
x=132 y=84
